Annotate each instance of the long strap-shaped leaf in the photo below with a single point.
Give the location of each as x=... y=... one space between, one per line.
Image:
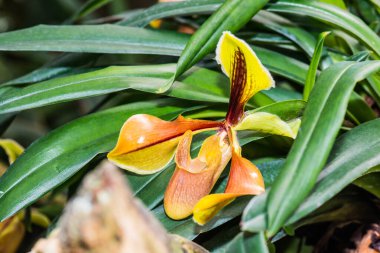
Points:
x=247 y=243
x=313 y=68
x=93 y=38
x=277 y=63
x=54 y=158
x=323 y=117
x=354 y=153
x=326 y=13
x=231 y=16
x=169 y=9
x=332 y=15
x=197 y=84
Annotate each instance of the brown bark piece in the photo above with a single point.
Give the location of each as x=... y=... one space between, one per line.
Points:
x=105 y=217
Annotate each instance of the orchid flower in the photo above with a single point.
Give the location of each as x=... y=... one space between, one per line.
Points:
x=147 y=144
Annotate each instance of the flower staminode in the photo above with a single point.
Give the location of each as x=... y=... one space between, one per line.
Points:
x=147 y=144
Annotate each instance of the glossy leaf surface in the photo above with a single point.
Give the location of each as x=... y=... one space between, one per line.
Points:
x=344 y=166
x=94 y=39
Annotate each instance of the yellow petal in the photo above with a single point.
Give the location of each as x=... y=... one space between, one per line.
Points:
x=245 y=179
x=210 y=205
x=147 y=144
x=12 y=149
x=247 y=74
x=194 y=178
x=39 y=219
x=156 y=23
x=147 y=160
x=295 y=125
x=268 y=123
x=12 y=232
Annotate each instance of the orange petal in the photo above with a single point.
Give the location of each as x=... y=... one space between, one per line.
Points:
x=245 y=179
x=194 y=178
x=146 y=143
x=248 y=75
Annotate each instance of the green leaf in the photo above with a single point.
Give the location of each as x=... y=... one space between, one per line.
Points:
x=5 y=119
x=374 y=83
x=87 y=8
x=56 y=157
x=354 y=153
x=376 y=4
x=254 y=216
x=198 y=84
x=267 y=97
x=312 y=73
x=370 y=182
x=286 y=110
x=333 y=16
x=338 y=3
x=368 y=13
x=139 y=19
x=277 y=63
x=221 y=237
x=359 y=109
x=99 y=82
x=63 y=64
x=267 y=39
x=345 y=207
x=189 y=229
x=231 y=16
x=170 y=9
x=246 y=243
x=325 y=110
x=283 y=65
x=359 y=56
x=93 y=39
x=270 y=168
x=329 y=14
x=299 y=36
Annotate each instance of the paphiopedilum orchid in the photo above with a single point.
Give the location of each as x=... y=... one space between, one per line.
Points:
x=147 y=144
